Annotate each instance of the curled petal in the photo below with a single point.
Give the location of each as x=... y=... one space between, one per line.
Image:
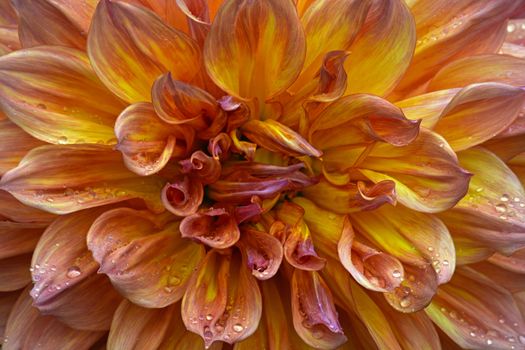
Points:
x=372 y=269
x=426 y=172
x=266 y=41
x=64 y=274
x=223 y=301
x=66 y=178
x=27 y=329
x=478 y=112
x=146 y=142
x=351 y=197
x=277 y=137
x=48 y=91
x=177 y=102
x=128 y=243
x=183 y=197
x=247 y=149
x=53 y=28
x=314 y=316
x=16 y=211
x=383 y=49
x=332 y=77
x=215 y=227
x=219 y=146
x=128 y=59
x=205 y=168
x=477 y=313
x=262 y=252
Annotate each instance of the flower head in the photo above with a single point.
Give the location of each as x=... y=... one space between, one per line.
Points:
x=262 y=173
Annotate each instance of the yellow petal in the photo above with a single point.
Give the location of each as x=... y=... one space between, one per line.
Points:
x=129 y=47
x=478 y=112
x=223 y=301
x=14 y=146
x=266 y=42
x=65 y=274
x=128 y=243
x=426 y=172
x=65 y=178
x=50 y=92
x=383 y=51
x=52 y=28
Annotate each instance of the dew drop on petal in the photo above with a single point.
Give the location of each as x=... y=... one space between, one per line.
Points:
x=505 y=198
x=238 y=327
x=405 y=302
x=62 y=140
x=489 y=341
x=396 y=273
x=73 y=271
x=511 y=27
x=209 y=317
x=501 y=208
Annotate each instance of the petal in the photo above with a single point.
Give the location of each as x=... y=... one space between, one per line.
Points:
x=18 y=238
x=146 y=142
x=277 y=137
x=414 y=238
x=202 y=167
x=427 y=107
x=16 y=211
x=169 y=11
x=15 y=144
x=8 y=15
x=66 y=178
x=329 y=33
x=64 y=274
x=461 y=29
x=332 y=77
x=9 y=41
x=314 y=316
x=266 y=42
x=491 y=213
x=129 y=243
x=262 y=252
x=479 y=69
x=79 y=13
x=53 y=28
x=50 y=92
x=129 y=47
x=514 y=262
x=489 y=313
x=478 y=112
x=26 y=329
x=215 y=227
x=372 y=269
x=183 y=197
x=383 y=50
x=7 y=301
x=179 y=103
x=14 y=272
x=426 y=172
x=223 y=301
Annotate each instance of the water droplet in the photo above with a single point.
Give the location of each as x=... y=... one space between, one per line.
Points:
x=405 y=302
x=505 y=198
x=479 y=189
x=472 y=333
x=489 y=341
x=174 y=280
x=50 y=200
x=445 y=262
x=73 y=271
x=501 y=320
x=238 y=327
x=209 y=317
x=207 y=334
x=503 y=217
x=430 y=249
x=41 y=106
x=168 y=289
x=62 y=140
x=396 y=273
x=511 y=27
x=501 y=208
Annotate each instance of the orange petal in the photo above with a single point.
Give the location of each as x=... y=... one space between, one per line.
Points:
x=427 y=107
x=64 y=274
x=14 y=272
x=66 y=178
x=262 y=252
x=314 y=316
x=146 y=142
x=329 y=25
x=479 y=69
x=477 y=313
x=129 y=243
x=13 y=210
x=26 y=329
x=183 y=197
x=277 y=137
x=7 y=301
x=128 y=59
x=426 y=172
x=15 y=144
x=514 y=262
x=52 y=28
x=372 y=269
x=461 y=29
x=9 y=39
x=202 y=167
x=492 y=213
x=383 y=50
x=8 y=15
x=48 y=91
x=215 y=227
x=18 y=238
x=478 y=112
x=266 y=42
x=223 y=301
x=332 y=77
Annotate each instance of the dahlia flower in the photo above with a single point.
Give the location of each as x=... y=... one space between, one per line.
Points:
x=262 y=174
